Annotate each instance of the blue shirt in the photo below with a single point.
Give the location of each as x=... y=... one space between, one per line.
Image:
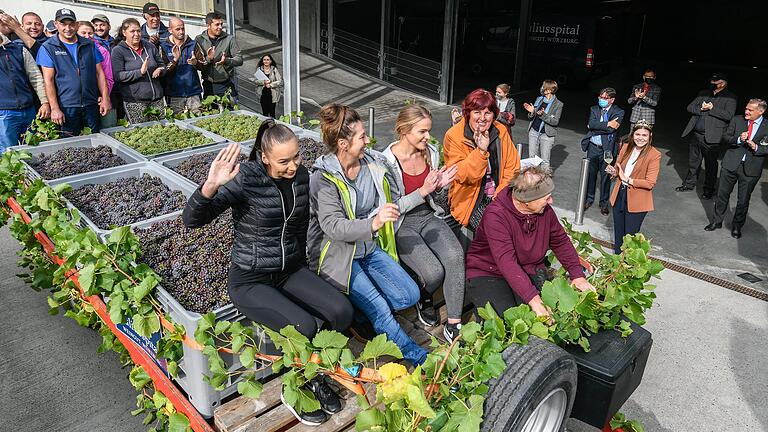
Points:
x=45 y=60
x=597 y=139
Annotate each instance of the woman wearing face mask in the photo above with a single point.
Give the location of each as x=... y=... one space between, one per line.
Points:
x=268 y=279
x=636 y=171
x=485 y=157
x=506 y=106
x=425 y=243
x=355 y=204
x=505 y=264
x=85 y=29
x=545 y=117
x=137 y=67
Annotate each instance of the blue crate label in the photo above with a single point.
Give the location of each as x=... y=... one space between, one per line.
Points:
x=149 y=345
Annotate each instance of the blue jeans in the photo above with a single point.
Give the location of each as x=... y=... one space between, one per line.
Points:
x=13 y=123
x=378 y=285
x=75 y=119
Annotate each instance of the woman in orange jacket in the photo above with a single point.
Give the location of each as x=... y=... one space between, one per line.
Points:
x=485 y=155
x=637 y=169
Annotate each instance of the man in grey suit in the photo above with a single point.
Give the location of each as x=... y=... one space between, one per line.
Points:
x=711 y=111
x=747 y=139
x=643 y=99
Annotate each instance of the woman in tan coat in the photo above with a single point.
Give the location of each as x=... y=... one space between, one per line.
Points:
x=635 y=172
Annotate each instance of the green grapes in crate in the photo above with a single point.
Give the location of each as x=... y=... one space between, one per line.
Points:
x=155 y=139
x=234 y=127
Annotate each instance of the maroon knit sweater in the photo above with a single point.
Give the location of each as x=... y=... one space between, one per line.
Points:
x=512 y=245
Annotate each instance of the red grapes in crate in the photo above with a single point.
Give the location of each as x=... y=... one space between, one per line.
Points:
x=75 y=160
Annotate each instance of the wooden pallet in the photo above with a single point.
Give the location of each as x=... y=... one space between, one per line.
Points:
x=268 y=414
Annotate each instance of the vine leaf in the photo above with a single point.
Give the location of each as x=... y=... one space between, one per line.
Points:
x=250 y=388
x=559 y=294
x=177 y=422
x=380 y=346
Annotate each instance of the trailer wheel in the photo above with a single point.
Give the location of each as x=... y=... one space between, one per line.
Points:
x=536 y=391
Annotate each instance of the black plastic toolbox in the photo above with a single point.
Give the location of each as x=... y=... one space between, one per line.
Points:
x=609 y=373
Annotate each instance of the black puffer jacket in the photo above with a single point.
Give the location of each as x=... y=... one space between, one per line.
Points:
x=264 y=241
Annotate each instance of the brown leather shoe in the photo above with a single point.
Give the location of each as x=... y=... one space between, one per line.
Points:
x=587 y=205
x=604 y=211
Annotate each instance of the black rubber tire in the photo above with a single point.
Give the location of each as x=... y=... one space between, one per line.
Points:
x=533 y=371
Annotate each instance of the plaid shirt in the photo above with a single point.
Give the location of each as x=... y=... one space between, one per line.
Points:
x=644 y=109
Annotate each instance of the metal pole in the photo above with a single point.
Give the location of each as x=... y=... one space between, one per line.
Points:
x=370 y=122
x=290 y=37
x=520 y=151
x=230 y=10
x=330 y=29
x=582 y=192
x=522 y=42
x=381 y=39
x=449 y=27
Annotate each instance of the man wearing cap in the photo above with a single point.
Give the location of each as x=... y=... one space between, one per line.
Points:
x=222 y=54
x=101 y=28
x=711 y=111
x=182 y=81
x=18 y=76
x=74 y=80
x=50 y=28
x=153 y=30
x=506 y=261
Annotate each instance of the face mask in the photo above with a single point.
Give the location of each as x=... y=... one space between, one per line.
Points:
x=541 y=90
x=712 y=86
x=603 y=103
x=648 y=80
x=499 y=97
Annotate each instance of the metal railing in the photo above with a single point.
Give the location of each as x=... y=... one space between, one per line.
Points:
x=403 y=69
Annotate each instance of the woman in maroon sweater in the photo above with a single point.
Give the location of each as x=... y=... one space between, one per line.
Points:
x=505 y=263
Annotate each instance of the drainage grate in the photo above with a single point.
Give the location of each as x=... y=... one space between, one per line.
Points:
x=703 y=276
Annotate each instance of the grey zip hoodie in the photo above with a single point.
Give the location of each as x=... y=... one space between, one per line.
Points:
x=126 y=69
x=333 y=234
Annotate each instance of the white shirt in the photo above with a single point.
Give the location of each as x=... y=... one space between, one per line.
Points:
x=755 y=127
x=502 y=104
x=631 y=162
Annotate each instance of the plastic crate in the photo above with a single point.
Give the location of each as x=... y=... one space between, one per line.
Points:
x=170 y=178
x=125 y=153
x=248 y=143
x=172 y=161
x=215 y=138
x=194 y=365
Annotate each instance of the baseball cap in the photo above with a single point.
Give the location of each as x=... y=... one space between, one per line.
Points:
x=50 y=27
x=151 y=8
x=100 y=17
x=719 y=76
x=65 y=13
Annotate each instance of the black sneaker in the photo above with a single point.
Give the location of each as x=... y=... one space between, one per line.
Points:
x=451 y=331
x=362 y=331
x=428 y=315
x=329 y=400
x=314 y=418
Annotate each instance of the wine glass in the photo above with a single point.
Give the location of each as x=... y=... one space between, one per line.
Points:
x=608 y=157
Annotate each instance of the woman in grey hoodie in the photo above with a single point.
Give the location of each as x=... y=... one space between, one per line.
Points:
x=137 y=66
x=354 y=204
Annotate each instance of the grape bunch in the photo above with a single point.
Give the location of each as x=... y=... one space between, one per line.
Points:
x=75 y=160
x=155 y=139
x=193 y=263
x=196 y=167
x=234 y=127
x=126 y=200
x=310 y=150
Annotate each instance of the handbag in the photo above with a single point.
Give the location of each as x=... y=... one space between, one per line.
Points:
x=478 y=211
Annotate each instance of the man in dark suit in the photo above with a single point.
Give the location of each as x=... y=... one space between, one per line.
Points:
x=747 y=139
x=711 y=111
x=604 y=119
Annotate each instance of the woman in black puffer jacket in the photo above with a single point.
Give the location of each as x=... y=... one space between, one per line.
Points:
x=268 y=279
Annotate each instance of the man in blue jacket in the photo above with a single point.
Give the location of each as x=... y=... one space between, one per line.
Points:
x=604 y=120
x=18 y=76
x=182 y=81
x=74 y=81
x=153 y=30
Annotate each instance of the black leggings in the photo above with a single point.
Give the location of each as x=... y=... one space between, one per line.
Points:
x=496 y=290
x=267 y=106
x=286 y=298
